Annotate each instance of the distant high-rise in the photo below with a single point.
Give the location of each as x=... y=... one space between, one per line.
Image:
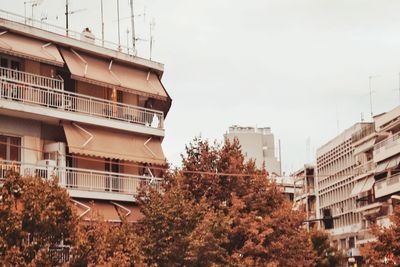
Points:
x=257 y=144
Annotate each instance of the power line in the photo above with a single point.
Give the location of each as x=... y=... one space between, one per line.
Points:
x=335 y=175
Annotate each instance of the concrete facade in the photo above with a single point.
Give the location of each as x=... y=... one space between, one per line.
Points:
x=257 y=144
x=335 y=182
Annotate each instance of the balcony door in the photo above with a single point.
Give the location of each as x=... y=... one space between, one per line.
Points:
x=113 y=181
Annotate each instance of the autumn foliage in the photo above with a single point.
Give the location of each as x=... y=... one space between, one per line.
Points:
x=387 y=244
x=217 y=210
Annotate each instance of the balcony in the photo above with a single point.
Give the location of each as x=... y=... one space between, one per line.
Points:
x=387 y=148
x=387 y=186
x=84 y=183
x=364 y=168
x=21 y=88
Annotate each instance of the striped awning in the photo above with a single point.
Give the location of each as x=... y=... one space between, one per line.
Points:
x=107 y=143
x=30 y=48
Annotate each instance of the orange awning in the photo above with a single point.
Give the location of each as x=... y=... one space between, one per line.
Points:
x=92 y=210
x=129 y=210
x=111 y=74
x=21 y=46
x=107 y=143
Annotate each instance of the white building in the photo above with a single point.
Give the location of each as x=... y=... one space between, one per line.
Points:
x=257 y=144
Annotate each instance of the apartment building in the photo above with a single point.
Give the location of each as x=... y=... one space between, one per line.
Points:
x=257 y=144
x=304 y=193
x=335 y=182
x=85 y=110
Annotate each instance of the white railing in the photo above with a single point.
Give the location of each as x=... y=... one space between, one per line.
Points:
x=84 y=179
x=90 y=180
x=27 y=78
x=387 y=142
x=387 y=186
x=62 y=31
x=74 y=102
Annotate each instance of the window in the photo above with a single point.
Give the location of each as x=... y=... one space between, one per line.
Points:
x=10 y=148
x=10 y=62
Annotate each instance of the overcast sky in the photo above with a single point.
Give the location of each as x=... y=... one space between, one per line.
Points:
x=300 y=67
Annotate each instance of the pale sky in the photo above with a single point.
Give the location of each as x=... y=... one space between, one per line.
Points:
x=300 y=67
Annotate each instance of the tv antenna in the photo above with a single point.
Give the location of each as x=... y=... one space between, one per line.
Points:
x=67 y=13
x=370 y=93
x=34 y=3
x=152 y=25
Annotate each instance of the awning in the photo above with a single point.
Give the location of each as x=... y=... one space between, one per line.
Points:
x=21 y=46
x=92 y=210
x=363 y=186
x=107 y=143
x=387 y=164
x=111 y=74
x=364 y=146
x=130 y=211
x=357 y=188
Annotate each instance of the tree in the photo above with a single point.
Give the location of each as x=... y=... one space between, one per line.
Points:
x=387 y=244
x=328 y=256
x=168 y=231
x=220 y=210
x=35 y=216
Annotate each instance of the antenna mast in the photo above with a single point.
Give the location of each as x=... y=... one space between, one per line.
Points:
x=133 y=27
x=119 y=32
x=102 y=24
x=66 y=17
x=370 y=95
x=152 y=24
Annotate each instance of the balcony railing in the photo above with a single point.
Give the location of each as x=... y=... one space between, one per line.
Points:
x=387 y=142
x=85 y=180
x=387 y=186
x=27 y=78
x=34 y=89
x=387 y=148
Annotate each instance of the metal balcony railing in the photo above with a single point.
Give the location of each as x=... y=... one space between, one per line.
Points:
x=388 y=142
x=31 y=79
x=84 y=179
x=35 y=89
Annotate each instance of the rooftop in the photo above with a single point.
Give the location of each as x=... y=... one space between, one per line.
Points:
x=41 y=30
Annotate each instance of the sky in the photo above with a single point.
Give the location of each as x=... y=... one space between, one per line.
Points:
x=301 y=67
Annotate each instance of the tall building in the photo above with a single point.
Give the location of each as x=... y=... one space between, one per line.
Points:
x=83 y=109
x=335 y=182
x=257 y=144
x=304 y=194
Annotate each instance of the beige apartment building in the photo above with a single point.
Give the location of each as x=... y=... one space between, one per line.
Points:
x=85 y=110
x=257 y=144
x=358 y=179
x=305 y=195
x=378 y=184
